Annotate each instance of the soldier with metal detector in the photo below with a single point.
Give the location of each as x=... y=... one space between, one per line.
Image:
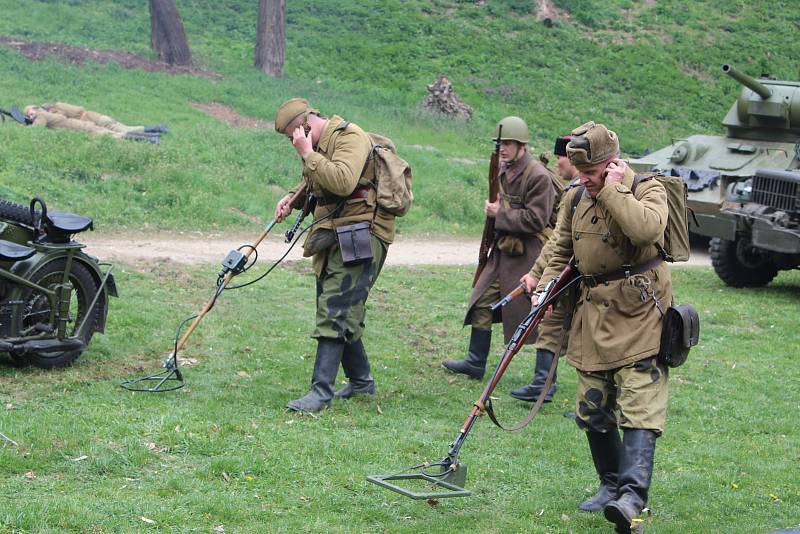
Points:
x=615 y=230
x=519 y=222
x=347 y=244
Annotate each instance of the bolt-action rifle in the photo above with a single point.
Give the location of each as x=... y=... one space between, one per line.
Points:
x=487 y=239
x=449 y=475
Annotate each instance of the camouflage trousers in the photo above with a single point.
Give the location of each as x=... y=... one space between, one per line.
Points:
x=481 y=317
x=342 y=293
x=634 y=396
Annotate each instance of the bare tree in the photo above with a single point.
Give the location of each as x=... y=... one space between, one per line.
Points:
x=167 y=36
x=271 y=37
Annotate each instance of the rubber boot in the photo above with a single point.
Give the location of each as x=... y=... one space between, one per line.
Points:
x=635 y=472
x=329 y=356
x=606 y=448
x=474 y=365
x=356 y=369
x=529 y=393
x=158 y=128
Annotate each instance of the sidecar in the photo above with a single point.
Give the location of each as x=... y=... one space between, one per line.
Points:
x=53 y=296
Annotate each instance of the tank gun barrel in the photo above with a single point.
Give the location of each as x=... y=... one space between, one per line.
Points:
x=760 y=89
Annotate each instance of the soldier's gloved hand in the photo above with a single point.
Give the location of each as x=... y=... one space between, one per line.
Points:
x=283 y=208
x=529 y=281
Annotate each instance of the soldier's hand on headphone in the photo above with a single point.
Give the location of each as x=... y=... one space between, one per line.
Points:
x=615 y=171
x=302 y=142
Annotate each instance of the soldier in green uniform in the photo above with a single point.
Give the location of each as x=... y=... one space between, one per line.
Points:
x=339 y=171
x=550 y=339
x=524 y=218
x=77 y=118
x=616 y=327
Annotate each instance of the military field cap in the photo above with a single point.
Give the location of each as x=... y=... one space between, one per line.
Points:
x=591 y=144
x=290 y=110
x=561 y=145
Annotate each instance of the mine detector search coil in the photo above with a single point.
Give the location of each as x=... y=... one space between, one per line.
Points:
x=447 y=476
x=236 y=262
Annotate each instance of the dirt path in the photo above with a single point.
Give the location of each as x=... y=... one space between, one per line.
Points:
x=198 y=247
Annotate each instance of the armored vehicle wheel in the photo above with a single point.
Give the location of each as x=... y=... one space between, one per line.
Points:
x=740 y=264
x=36 y=309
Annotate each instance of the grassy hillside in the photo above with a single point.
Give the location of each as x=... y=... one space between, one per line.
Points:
x=648 y=69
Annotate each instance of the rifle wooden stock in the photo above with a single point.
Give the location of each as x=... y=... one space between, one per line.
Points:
x=521 y=289
x=487 y=238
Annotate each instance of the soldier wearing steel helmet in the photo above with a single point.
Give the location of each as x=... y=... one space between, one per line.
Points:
x=338 y=170
x=523 y=219
x=612 y=232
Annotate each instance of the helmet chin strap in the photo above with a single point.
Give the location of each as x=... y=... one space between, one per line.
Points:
x=513 y=160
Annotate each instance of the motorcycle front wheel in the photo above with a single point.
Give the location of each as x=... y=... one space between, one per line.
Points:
x=35 y=312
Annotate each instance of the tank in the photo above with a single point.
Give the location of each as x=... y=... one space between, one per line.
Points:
x=744 y=188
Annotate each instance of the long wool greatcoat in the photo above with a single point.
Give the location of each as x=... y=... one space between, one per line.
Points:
x=615 y=323
x=532 y=198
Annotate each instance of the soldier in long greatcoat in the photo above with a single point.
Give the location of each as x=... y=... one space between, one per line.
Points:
x=614 y=232
x=523 y=220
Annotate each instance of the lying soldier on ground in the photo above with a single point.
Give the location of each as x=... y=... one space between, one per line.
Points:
x=71 y=117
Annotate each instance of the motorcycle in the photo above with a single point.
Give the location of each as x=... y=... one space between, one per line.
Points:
x=53 y=296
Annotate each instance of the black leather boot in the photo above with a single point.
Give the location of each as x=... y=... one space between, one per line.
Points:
x=544 y=359
x=158 y=128
x=635 y=472
x=474 y=365
x=606 y=448
x=329 y=356
x=141 y=136
x=356 y=369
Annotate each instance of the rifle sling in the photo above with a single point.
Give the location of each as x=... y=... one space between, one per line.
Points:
x=522 y=423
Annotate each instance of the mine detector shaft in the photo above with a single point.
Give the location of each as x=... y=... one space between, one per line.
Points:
x=448 y=475
x=744 y=188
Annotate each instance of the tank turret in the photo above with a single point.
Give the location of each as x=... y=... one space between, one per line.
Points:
x=767 y=110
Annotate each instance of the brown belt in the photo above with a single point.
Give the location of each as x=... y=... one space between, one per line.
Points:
x=361 y=191
x=592 y=280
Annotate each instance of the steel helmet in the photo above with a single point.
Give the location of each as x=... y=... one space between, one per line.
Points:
x=513 y=129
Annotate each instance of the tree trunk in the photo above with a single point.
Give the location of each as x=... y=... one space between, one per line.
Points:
x=271 y=37
x=167 y=36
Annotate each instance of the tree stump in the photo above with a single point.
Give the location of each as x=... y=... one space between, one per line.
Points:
x=442 y=98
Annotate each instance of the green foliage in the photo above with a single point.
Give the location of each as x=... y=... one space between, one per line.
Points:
x=91 y=457
x=648 y=69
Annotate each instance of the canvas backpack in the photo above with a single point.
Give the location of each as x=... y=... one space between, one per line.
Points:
x=392 y=181
x=392 y=176
x=676 y=233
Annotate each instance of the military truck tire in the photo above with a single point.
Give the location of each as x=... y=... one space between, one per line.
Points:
x=739 y=264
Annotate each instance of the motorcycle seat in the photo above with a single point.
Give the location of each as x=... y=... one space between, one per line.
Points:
x=14 y=251
x=68 y=223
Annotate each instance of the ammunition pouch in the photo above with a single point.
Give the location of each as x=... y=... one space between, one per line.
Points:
x=511 y=246
x=680 y=332
x=355 y=244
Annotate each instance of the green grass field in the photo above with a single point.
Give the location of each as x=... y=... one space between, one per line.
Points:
x=222 y=452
